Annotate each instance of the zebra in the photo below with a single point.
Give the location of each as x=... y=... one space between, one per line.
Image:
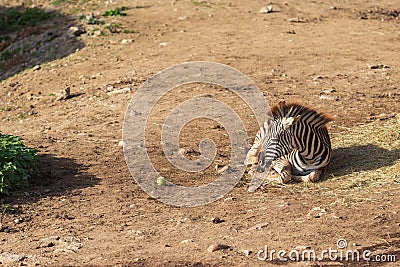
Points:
x=294 y=142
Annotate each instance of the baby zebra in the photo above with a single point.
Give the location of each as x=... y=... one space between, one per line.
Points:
x=294 y=142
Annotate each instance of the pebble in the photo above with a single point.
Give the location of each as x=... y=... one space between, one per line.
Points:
x=221 y=170
x=65 y=94
x=187 y=241
x=37 y=67
x=329 y=91
x=126 y=41
x=120 y=91
x=259 y=226
x=18 y=220
x=75 y=31
x=329 y=97
x=182 y=17
x=215 y=247
x=247 y=252
x=377 y=66
x=296 y=20
x=216 y=220
x=121 y=143
x=266 y=9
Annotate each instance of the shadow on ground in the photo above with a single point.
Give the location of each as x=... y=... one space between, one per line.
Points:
x=346 y=160
x=33 y=36
x=57 y=176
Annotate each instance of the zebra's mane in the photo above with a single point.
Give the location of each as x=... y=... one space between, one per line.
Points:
x=283 y=110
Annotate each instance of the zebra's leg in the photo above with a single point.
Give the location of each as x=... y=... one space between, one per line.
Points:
x=283 y=169
x=309 y=178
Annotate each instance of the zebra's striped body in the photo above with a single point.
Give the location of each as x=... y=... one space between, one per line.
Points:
x=294 y=142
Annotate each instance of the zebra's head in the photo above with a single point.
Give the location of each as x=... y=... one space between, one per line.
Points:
x=278 y=141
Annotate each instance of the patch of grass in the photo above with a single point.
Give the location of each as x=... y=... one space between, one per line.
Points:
x=366 y=158
x=201 y=3
x=365 y=166
x=128 y=31
x=8 y=108
x=14 y=19
x=17 y=163
x=58 y=2
x=5 y=55
x=117 y=12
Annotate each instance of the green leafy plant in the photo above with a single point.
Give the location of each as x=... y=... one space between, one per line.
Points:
x=118 y=12
x=13 y=19
x=17 y=163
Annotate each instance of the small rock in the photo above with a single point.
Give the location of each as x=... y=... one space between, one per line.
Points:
x=334 y=7
x=75 y=31
x=259 y=226
x=163 y=44
x=18 y=220
x=37 y=67
x=296 y=20
x=126 y=41
x=215 y=247
x=329 y=97
x=187 y=241
x=266 y=9
x=62 y=250
x=221 y=170
x=65 y=94
x=230 y=199
x=121 y=143
x=247 y=252
x=329 y=91
x=97 y=32
x=120 y=91
x=321 y=212
x=182 y=17
x=216 y=220
x=377 y=66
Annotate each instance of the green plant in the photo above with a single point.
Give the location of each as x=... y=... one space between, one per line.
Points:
x=17 y=163
x=13 y=19
x=58 y=2
x=201 y=3
x=118 y=12
x=5 y=55
x=3 y=210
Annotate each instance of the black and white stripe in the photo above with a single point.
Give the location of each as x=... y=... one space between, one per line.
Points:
x=295 y=133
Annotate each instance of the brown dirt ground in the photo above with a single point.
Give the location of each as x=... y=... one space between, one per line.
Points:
x=87 y=210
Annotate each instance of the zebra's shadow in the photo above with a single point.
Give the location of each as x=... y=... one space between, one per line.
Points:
x=346 y=160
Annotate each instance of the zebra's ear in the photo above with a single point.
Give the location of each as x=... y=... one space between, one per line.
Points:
x=287 y=122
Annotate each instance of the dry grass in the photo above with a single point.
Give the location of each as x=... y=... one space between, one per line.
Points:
x=365 y=165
